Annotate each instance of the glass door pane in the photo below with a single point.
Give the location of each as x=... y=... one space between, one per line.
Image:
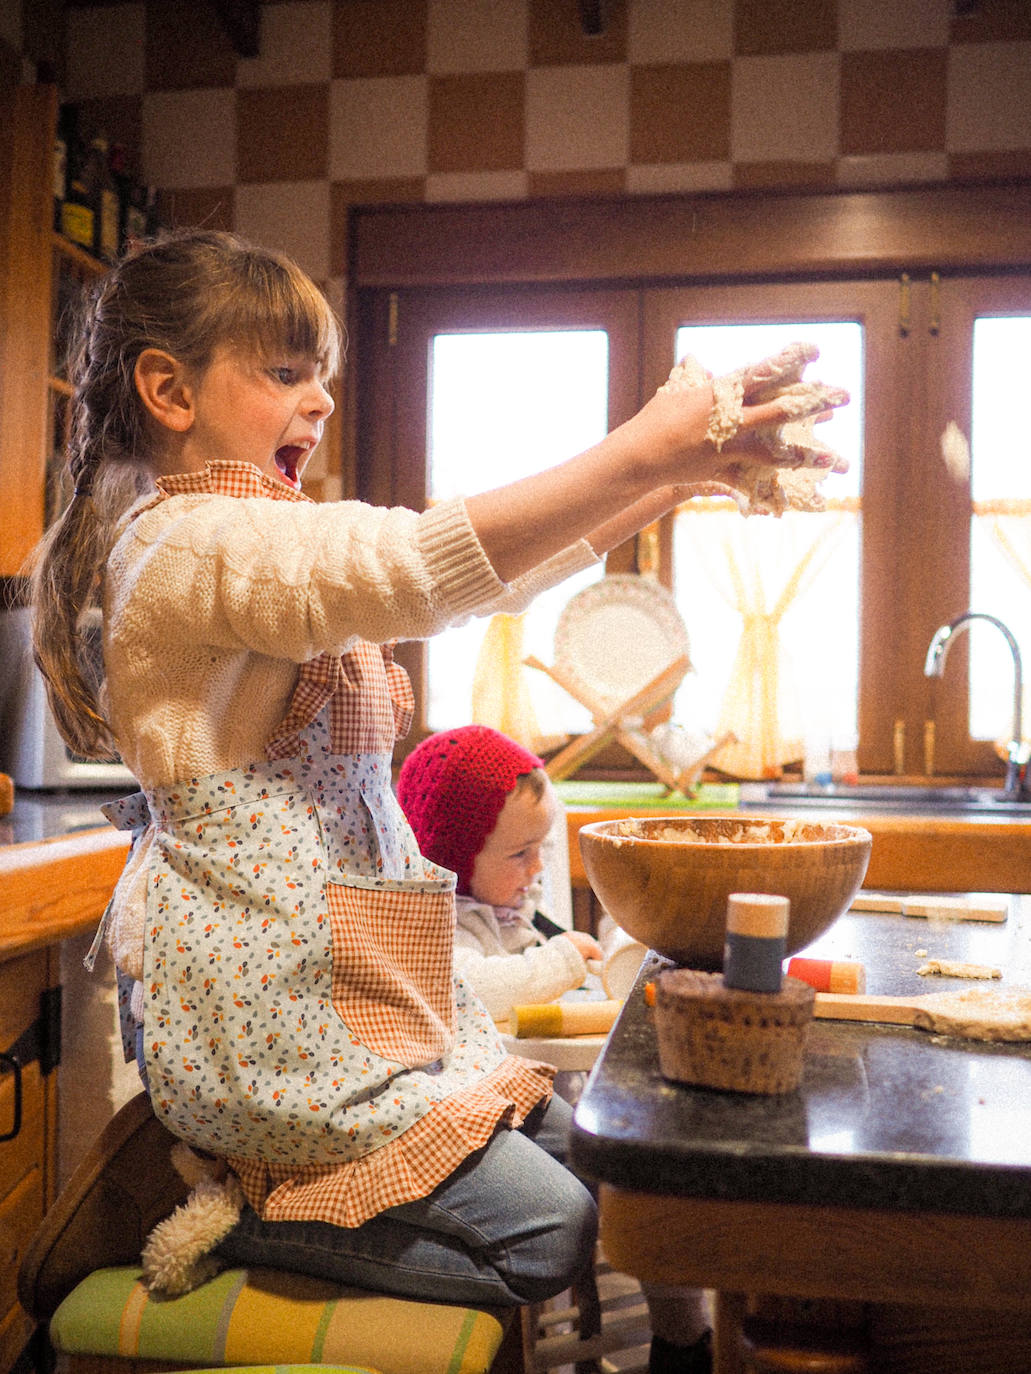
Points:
x=541 y=396
x=759 y=587
x=1000 y=542
x=470 y=388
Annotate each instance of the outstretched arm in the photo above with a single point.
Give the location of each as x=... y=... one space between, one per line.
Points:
x=636 y=473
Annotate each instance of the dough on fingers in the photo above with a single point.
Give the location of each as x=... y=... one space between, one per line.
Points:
x=802 y=463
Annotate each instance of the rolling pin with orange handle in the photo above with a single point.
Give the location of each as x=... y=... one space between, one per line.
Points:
x=563 y=1018
x=829 y=975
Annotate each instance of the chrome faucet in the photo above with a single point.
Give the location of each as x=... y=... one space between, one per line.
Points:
x=934 y=666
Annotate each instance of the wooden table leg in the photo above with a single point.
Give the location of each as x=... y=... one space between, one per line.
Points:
x=729 y=1310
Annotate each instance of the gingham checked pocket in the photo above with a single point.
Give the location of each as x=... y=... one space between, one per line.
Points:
x=392 y=967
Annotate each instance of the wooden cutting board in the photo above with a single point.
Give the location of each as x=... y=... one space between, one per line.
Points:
x=972 y=1013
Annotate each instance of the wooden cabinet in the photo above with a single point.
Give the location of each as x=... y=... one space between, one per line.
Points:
x=38 y=272
x=50 y=891
x=29 y=1034
x=27 y=117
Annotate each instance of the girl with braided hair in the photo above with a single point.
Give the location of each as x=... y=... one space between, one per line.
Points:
x=286 y=948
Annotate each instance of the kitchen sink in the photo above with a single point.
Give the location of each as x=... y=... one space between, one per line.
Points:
x=903 y=799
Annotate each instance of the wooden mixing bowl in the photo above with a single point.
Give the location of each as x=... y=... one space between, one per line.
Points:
x=666 y=879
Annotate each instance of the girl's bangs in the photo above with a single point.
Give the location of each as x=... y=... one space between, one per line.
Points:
x=287 y=314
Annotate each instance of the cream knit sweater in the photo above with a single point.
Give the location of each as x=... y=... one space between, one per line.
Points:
x=211 y=602
x=507 y=962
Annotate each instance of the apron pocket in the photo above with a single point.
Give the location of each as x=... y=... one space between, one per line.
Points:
x=393 y=983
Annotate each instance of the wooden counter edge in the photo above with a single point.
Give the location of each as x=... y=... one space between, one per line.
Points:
x=52 y=889
x=932 y=1258
x=910 y=853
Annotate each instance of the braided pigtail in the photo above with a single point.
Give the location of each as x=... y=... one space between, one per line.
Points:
x=186 y=293
x=105 y=478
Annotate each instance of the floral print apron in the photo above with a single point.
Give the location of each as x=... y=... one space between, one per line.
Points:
x=300 y=1012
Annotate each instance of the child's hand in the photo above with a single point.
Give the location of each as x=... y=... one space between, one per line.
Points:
x=761 y=423
x=586 y=945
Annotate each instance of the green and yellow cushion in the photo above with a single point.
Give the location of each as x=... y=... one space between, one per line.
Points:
x=263 y=1317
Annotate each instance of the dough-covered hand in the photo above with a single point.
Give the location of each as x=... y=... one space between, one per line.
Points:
x=779 y=463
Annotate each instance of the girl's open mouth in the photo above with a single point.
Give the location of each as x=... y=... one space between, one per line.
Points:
x=287 y=459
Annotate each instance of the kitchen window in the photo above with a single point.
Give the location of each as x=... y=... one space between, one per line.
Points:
x=914 y=537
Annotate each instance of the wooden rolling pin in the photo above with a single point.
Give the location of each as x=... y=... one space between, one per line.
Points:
x=983 y=907
x=540 y=1019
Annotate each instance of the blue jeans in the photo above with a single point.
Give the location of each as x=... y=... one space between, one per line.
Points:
x=511 y=1225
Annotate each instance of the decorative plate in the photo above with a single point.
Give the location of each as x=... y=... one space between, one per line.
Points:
x=616 y=635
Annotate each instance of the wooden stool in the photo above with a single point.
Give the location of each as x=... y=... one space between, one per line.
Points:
x=569 y=1334
x=102 y=1320
x=110 y=1324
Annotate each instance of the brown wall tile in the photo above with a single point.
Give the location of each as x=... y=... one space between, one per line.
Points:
x=379 y=38
x=893 y=101
x=187 y=47
x=766 y=27
x=211 y=207
x=282 y=133
x=680 y=114
x=558 y=39
x=990 y=166
x=993 y=21
x=476 y=122
x=797 y=175
x=600 y=181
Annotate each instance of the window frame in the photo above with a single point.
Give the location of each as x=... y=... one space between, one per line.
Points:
x=914 y=263
x=393 y=393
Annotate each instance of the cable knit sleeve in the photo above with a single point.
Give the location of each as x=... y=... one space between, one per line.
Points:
x=541 y=973
x=291 y=580
x=522 y=590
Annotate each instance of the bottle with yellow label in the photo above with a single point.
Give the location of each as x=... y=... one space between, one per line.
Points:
x=78 y=216
x=104 y=193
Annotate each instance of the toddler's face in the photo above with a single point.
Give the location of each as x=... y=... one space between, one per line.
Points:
x=511 y=857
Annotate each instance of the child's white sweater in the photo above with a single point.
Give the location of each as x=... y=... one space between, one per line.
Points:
x=505 y=959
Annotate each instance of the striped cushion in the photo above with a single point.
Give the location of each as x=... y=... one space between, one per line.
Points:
x=267 y=1317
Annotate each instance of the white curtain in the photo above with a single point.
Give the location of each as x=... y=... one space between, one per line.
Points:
x=1006 y=525
x=761 y=581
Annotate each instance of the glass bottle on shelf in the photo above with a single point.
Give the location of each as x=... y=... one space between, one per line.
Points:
x=62 y=137
x=78 y=216
x=119 y=164
x=153 y=212
x=105 y=201
x=136 y=215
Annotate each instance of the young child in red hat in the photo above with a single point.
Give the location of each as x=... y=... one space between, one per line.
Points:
x=482 y=805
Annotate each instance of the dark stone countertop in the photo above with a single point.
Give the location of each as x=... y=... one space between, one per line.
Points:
x=886 y=1117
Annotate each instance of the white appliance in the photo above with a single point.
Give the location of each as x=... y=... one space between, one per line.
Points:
x=32 y=751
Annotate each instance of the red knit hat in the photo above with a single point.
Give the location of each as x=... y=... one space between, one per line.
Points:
x=452 y=788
